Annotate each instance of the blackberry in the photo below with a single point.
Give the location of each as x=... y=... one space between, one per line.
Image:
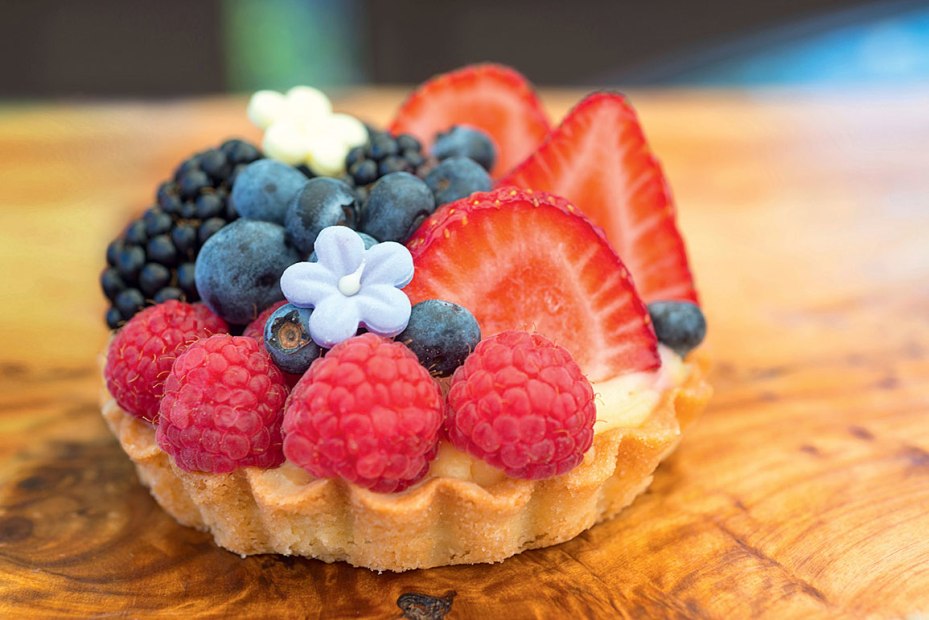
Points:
x=152 y=261
x=382 y=155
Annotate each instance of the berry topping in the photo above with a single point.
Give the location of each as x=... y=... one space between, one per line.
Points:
x=463 y=141
x=151 y=254
x=495 y=99
x=521 y=403
x=530 y=261
x=368 y=413
x=351 y=287
x=287 y=339
x=678 y=324
x=239 y=269
x=456 y=178
x=382 y=155
x=320 y=203
x=141 y=353
x=441 y=334
x=263 y=190
x=222 y=407
x=396 y=206
x=598 y=159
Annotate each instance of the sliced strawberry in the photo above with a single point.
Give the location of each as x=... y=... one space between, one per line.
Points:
x=598 y=159
x=493 y=98
x=529 y=261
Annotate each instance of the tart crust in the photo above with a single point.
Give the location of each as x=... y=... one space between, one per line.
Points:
x=439 y=522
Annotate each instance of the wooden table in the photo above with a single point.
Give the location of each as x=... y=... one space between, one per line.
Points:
x=802 y=492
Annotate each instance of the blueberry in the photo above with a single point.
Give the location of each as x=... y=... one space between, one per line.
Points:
x=153 y=278
x=370 y=242
x=129 y=302
x=161 y=250
x=264 y=188
x=457 y=177
x=209 y=205
x=157 y=222
x=129 y=262
x=186 y=280
x=192 y=183
x=441 y=334
x=678 y=324
x=114 y=318
x=209 y=228
x=184 y=237
x=215 y=164
x=111 y=283
x=287 y=339
x=396 y=206
x=135 y=233
x=168 y=293
x=461 y=141
x=238 y=270
x=322 y=202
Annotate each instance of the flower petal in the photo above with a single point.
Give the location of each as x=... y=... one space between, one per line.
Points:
x=307 y=284
x=340 y=249
x=335 y=319
x=384 y=309
x=388 y=263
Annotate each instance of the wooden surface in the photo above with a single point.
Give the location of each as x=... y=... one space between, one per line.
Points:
x=803 y=491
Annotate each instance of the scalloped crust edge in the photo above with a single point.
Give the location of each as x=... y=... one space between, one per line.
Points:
x=439 y=522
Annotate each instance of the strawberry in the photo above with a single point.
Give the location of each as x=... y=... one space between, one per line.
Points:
x=492 y=98
x=598 y=159
x=524 y=260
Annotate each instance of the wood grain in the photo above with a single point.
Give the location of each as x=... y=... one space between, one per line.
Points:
x=803 y=491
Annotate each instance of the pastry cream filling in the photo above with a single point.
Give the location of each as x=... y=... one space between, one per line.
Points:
x=623 y=401
x=627 y=400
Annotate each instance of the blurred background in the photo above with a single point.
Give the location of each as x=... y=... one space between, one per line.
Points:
x=173 y=48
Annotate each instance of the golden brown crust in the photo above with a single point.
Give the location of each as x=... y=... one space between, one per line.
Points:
x=439 y=522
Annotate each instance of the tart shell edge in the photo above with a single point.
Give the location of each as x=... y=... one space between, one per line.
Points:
x=440 y=522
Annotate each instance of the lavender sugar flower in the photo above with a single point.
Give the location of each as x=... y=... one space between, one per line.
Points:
x=350 y=287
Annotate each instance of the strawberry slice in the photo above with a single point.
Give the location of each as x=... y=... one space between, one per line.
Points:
x=598 y=159
x=530 y=261
x=492 y=98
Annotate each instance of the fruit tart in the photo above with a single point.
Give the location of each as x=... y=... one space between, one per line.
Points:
x=447 y=342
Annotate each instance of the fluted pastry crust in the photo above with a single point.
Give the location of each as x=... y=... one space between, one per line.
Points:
x=438 y=522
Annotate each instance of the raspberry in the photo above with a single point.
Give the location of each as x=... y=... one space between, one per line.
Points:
x=520 y=403
x=222 y=407
x=142 y=352
x=367 y=412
